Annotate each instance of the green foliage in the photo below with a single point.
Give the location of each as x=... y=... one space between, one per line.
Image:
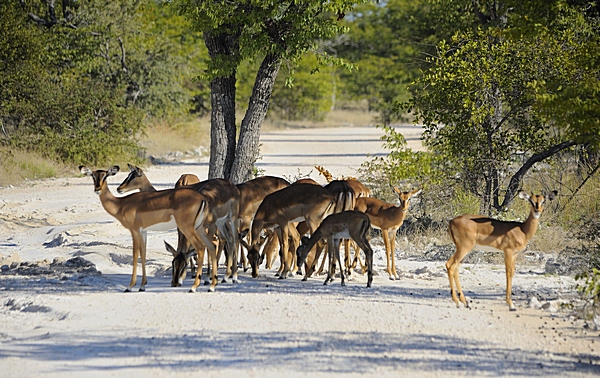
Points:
x=286 y=29
x=485 y=101
x=590 y=290
x=304 y=95
x=79 y=90
x=383 y=41
x=402 y=166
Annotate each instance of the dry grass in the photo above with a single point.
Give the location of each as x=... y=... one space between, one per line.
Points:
x=17 y=167
x=162 y=138
x=335 y=118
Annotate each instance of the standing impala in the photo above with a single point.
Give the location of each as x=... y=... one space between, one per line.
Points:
x=388 y=218
x=476 y=231
x=161 y=210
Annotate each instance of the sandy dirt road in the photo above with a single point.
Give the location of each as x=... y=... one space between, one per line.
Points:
x=59 y=316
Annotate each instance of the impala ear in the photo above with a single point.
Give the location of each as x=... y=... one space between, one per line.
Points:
x=304 y=239
x=113 y=170
x=191 y=252
x=131 y=167
x=550 y=196
x=85 y=170
x=170 y=248
x=398 y=191
x=243 y=242
x=416 y=192
x=524 y=195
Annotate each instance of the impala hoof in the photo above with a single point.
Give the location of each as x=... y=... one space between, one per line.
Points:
x=513 y=309
x=127 y=290
x=142 y=289
x=211 y=289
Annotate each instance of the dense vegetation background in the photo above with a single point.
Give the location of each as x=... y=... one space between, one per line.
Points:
x=507 y=91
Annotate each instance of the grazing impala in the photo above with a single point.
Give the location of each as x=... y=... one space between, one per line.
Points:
x=252 y=193
x=161 y=210
x=223 y=199
x=279 y=210
x=479 y=232
x=344 y=225
x=388 y=218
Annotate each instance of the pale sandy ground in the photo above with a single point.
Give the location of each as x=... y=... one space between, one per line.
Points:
x=64 y=319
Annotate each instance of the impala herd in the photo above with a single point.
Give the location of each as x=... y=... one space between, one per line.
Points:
x=249 y=220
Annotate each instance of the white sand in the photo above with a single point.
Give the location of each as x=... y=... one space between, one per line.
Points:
x=63 y=320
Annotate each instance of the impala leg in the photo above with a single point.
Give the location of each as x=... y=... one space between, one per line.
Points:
x=270 y=249
x=461 y=295
x=363 y=243
x=136 y=251
x=347 y=257
x=336 y=250
x=320 y=247
x=329 y=257
x=451 y=270
x=509 y=261
x=386 y=243
x=235 y=246
x=284 y=242
x=393 y=251
x=294 y=241
x=200 y=236
x=143 y=258
x=212 y=255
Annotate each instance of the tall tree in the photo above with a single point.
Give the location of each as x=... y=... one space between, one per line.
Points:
x=272 y=31
x=489 y=100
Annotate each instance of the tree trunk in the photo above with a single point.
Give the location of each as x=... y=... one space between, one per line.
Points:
x=222 y=119
x=247 y=148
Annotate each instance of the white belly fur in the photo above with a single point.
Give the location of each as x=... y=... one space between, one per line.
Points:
x=342 y=235
x=486 y=248
x=165 y=226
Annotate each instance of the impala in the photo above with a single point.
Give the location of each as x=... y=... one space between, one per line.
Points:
x=161 y=210
x=480 y=232
x=252 y=193
x=187 y=179
x=360 y=190
x=223 y=199
x=388 y=218
x=345 y=200
x=137 y=180
x=344 y=225
x=279 y=211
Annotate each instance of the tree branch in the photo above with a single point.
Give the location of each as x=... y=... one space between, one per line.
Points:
x=516 y=179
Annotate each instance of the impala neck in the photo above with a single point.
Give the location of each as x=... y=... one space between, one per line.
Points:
x=314 y=238
x=397 y=214
x=146 y=186
x=108 y=200
x=530 y=225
